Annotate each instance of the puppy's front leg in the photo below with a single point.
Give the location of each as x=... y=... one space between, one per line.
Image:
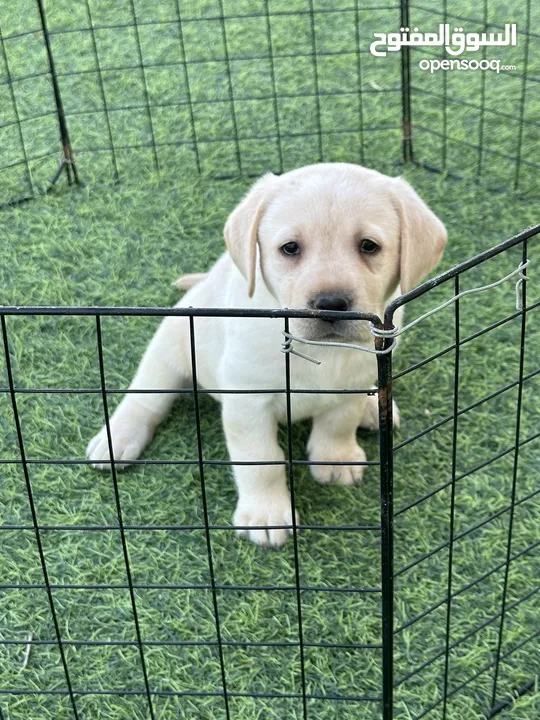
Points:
x=333 y=440
x=165 y=365
x=263 y=496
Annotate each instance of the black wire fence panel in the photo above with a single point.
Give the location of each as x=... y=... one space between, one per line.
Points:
x=216 y=86
x=240 y=87
x=130 y=586
x=482 y=124
x=473 y=449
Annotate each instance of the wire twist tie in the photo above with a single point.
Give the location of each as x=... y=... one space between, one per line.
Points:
x=287 y=346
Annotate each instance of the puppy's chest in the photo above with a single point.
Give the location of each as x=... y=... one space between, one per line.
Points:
x=338 y=371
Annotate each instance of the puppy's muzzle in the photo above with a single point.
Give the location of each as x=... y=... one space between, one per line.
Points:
x=321 y=329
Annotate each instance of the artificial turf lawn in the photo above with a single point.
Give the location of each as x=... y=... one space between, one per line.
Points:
x=124 y=244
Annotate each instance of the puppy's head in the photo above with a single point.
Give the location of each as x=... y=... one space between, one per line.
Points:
x=334 y=237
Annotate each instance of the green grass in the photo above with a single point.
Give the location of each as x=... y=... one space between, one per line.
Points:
x=123 y=245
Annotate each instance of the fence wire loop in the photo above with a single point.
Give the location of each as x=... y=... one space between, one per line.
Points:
x=287 y=346
x=522 y=279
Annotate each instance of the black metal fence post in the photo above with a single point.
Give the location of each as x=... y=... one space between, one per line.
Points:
x=67 y=162
x=406 y=119
x=384 y=363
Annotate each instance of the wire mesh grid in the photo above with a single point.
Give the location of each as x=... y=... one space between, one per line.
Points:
x=241 y=86
x=484 y=495
x=442 y=602
x=166 y=641
x=238 y=88
x=475 y=132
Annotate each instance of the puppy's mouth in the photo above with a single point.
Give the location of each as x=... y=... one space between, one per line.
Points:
x=352 y=331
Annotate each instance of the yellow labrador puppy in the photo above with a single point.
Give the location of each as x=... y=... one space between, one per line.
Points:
x=330 y=237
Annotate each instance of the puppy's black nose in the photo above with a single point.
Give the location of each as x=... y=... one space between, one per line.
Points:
x=331 y=301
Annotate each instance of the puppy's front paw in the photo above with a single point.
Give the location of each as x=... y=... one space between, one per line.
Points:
x=266 y=518
x=128 y=442
x=338 y=474
x=370 y=416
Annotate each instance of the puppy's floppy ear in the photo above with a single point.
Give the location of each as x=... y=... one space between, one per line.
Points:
x=423 y=236
x=242 y=228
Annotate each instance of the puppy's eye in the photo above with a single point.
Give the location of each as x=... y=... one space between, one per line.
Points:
x=368 y=246
x=290 y=248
